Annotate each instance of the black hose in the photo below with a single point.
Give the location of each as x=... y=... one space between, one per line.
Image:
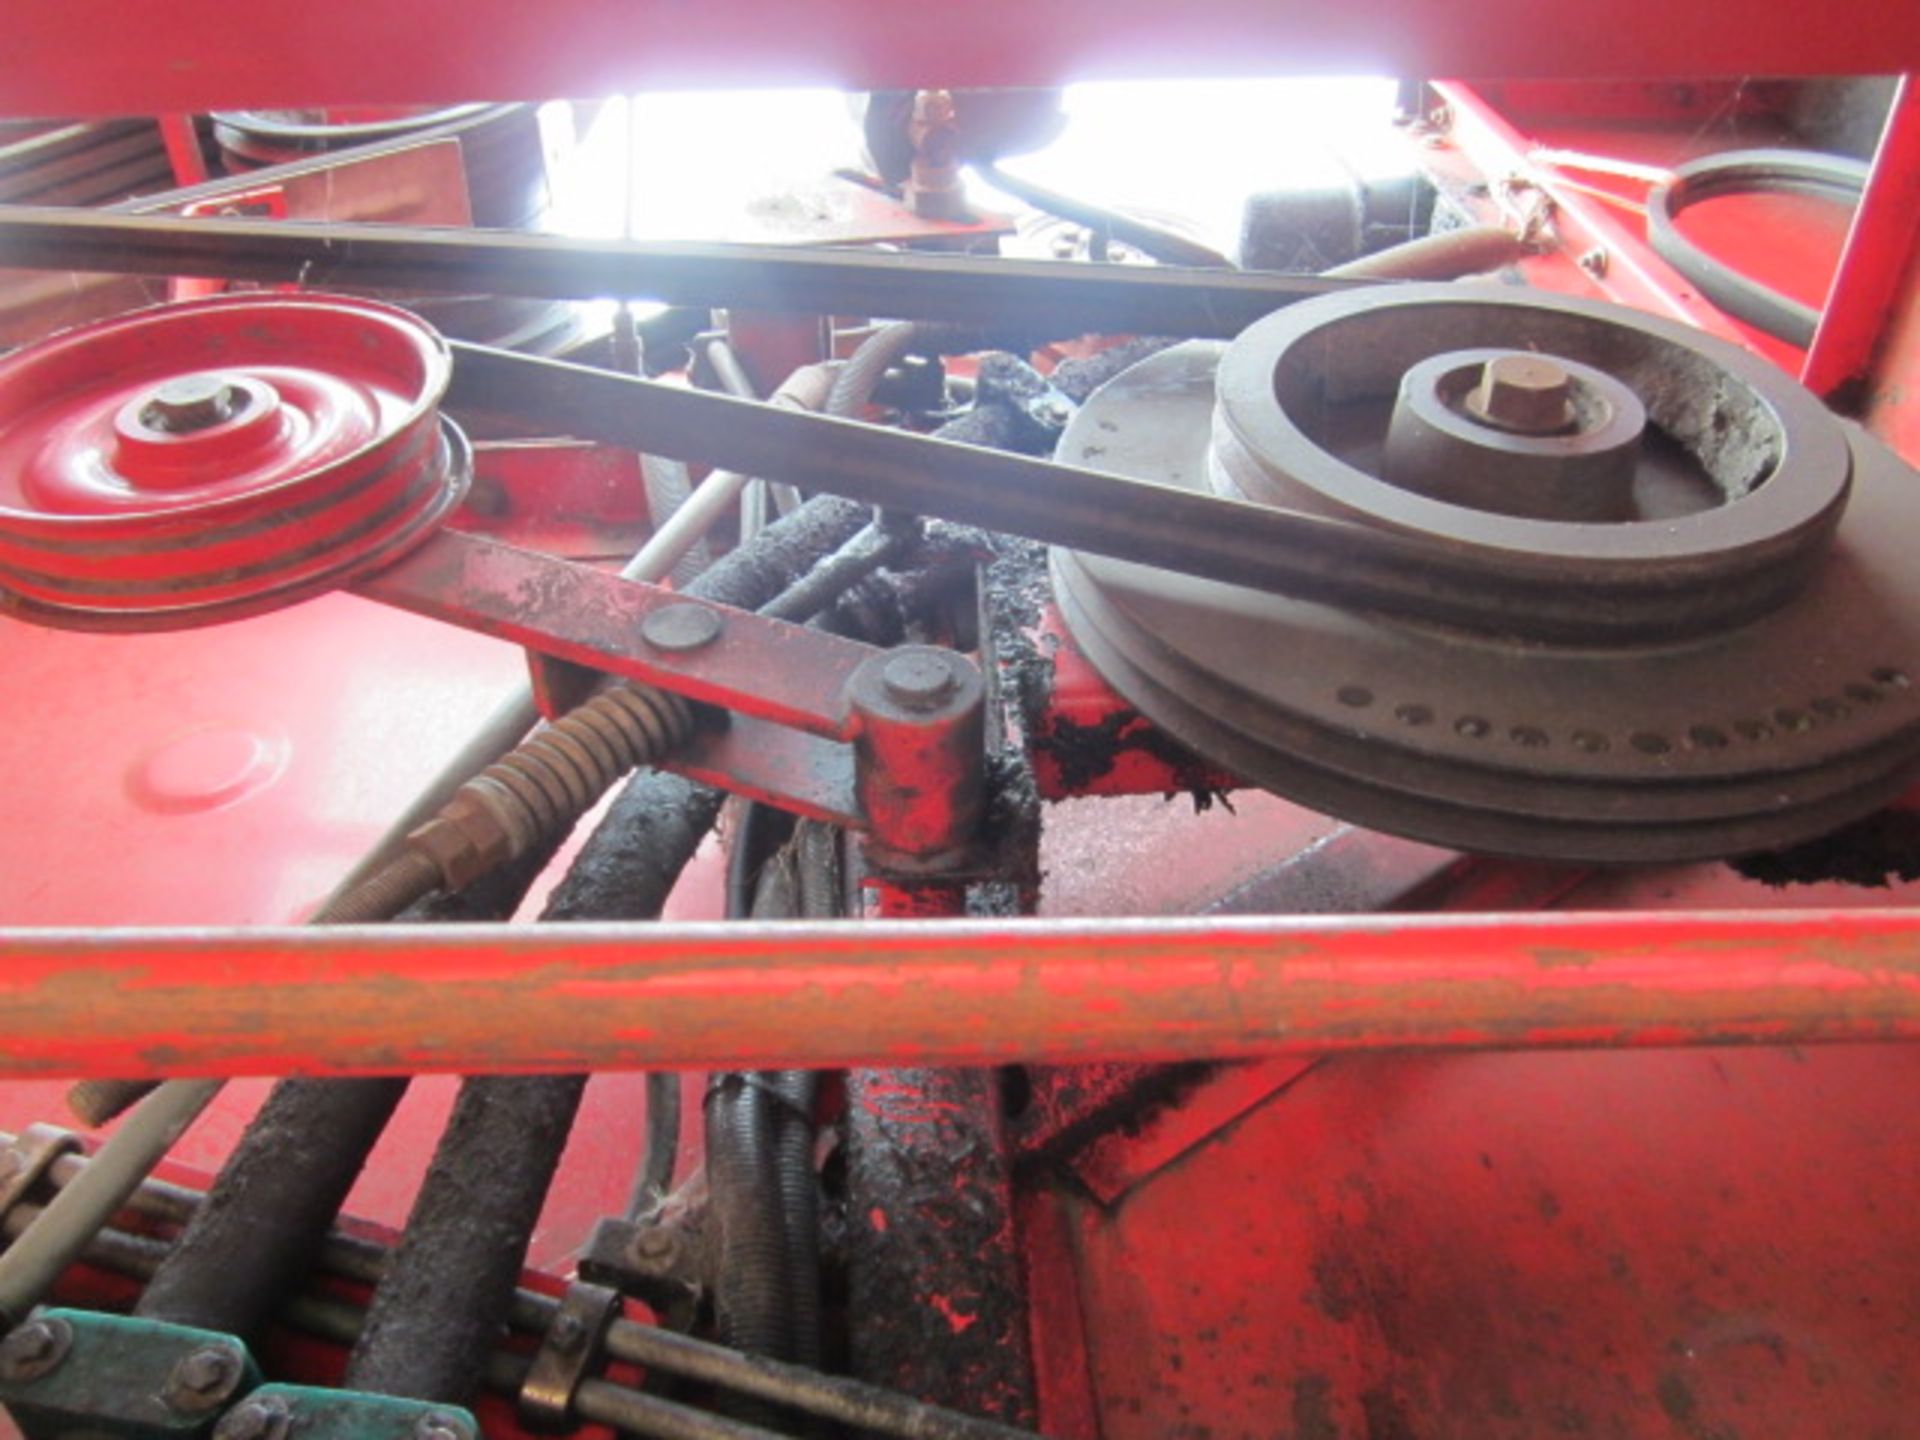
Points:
x=452 y=1278
x=1835 y=177
x=750 y=1295
x=442 y=1305
x=253 y=1240
x=761 y=1136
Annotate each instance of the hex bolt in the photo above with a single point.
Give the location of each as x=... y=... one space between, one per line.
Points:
x=918 y=679
x=1527 y=394
x=34 y=1349
x=267 y=1419
x=682 y=627
x=189 y=403
x=203 y=1379
x=438 y=1425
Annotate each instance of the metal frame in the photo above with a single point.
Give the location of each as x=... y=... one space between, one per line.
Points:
x=347 y=1001
x=98 y=56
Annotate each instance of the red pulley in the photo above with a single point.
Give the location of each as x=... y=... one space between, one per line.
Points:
x=198 y=462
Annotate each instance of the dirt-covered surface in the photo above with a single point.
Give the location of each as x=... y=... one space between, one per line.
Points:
x=1876 y=852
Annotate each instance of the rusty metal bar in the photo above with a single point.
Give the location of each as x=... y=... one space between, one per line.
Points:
x=489 y=999
x=717 y=654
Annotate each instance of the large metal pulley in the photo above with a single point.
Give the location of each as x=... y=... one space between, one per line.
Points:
x=197 y=462
x=1510 y=429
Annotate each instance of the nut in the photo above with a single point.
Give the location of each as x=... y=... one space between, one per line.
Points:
x=189 y=403
x=1528 y=394
x=465 y=840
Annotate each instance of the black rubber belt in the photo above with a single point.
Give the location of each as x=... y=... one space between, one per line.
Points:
x=1746 y=172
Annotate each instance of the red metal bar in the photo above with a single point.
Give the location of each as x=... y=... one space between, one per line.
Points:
x=780 y=672
x=183 y=150
x=109 y=57
x=1879 y=254
x=567 y=998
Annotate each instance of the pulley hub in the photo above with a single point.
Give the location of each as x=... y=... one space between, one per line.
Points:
x=1512 y=431
x=197 y=462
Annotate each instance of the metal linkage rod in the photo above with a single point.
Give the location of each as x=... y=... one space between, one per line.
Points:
x=1051 y=298
x=852 y=1402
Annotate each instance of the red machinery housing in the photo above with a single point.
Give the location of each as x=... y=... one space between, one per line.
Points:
x=1295 y=1129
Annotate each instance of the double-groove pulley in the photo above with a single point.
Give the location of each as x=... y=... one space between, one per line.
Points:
x=1512 y=430
x=198 y=462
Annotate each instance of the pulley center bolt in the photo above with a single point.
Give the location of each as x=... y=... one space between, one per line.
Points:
x=190 y=403
x=918 y=680
x=1527 y=394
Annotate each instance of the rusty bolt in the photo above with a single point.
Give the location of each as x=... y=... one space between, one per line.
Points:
x=264 y=1419
x=34 y=1349
x=652 y=1245
x=681 y=627
x=439 y=1425
x=189 y=403
x=918 y=680
x=203 y=1378
x=1528 y=394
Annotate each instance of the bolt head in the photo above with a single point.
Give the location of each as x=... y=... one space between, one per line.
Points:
x=1528 y=394
x=567 y=1334
x=267 y=1419
x=190 y=402
x=651 y=1244
x=204 y=1378
x=681 y=627
x=34 y=1349
x=919 y=679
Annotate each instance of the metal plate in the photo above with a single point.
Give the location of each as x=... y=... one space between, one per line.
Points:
x=1772 y=733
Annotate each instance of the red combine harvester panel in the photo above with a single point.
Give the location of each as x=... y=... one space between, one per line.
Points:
x=1004 y=748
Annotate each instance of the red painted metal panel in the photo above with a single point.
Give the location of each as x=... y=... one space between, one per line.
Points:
x=572 y=998
x=107 y=57
x=1505 y=1246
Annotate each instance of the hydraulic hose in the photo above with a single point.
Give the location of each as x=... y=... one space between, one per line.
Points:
x=252 y=1241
